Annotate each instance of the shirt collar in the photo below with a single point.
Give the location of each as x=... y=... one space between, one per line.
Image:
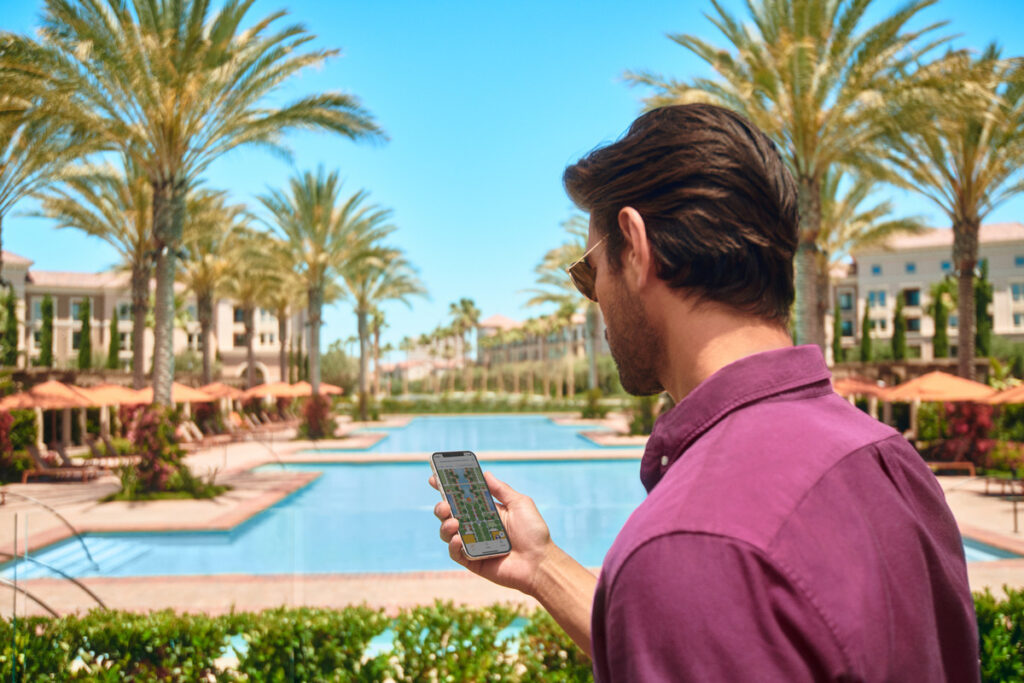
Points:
x=742 y=382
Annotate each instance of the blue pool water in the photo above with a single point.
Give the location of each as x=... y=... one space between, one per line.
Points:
x=362 y=518
x=482 y=433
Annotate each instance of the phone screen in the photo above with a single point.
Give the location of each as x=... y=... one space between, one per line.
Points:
x=463 y=486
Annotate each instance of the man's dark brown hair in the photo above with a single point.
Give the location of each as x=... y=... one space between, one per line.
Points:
x=719 y=204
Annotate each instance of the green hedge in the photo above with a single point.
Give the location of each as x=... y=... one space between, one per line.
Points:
x=436 y=643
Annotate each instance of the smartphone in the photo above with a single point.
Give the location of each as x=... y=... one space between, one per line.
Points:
x=463 y=487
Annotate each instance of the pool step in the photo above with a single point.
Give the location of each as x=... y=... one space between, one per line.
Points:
x=110 y=554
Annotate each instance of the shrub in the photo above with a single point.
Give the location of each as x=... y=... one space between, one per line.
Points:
x=307 y=644
x=316 y=418
x=1005 y=457
x=642 y=421
x=593 y=409
x=969 y=425
x=548 y=653
x=443 y=642
x=1001 y=635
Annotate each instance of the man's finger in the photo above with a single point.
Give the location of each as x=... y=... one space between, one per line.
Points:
x=500 y=489
x=455 y=551
x=433 y=482
x=449 y=529
x=442 y=511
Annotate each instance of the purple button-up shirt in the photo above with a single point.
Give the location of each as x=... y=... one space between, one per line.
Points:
x=786 y=536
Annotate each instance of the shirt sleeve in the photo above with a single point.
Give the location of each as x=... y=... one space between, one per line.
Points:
x=693 y=607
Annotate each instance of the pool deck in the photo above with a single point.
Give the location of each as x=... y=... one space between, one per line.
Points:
x=985 y=518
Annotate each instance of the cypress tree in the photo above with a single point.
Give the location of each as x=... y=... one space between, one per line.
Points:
x=899 y=331
x=865 y=335
x=838 y=354
x=113 y=362
x=982 y=319
x=940 y=314
x=46 y=333
x=9 y=342
x=84 y=336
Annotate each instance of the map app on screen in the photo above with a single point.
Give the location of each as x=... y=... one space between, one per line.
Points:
x=466 y=492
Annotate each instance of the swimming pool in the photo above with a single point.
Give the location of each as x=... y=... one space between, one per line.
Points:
x=482 y=433
x=361 y=518
x=373 y=517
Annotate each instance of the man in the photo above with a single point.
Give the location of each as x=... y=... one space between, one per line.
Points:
x=786 y=536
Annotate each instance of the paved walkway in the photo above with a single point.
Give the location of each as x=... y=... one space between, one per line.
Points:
x=986 y=518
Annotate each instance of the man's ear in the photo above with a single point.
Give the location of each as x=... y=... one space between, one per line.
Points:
x=637 y=257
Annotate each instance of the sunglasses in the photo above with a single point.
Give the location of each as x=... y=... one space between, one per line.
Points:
x=583 y=274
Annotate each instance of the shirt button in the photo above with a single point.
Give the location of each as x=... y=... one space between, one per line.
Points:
x=664 y=460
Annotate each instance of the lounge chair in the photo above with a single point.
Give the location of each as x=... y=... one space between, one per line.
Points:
x=44 y=469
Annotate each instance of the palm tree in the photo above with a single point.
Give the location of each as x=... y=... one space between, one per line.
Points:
x=326 y=236
x=212 y=227
x=465 y=317
x=379 y=276
x=407 y=344
x=967 y=160
x=248 y=283
x=514 y=338
x=556 y=287
x=176 y=85
x=35 y=147
x=115 y=206
x=818 y=81
x=377 y=324
x=284 y=298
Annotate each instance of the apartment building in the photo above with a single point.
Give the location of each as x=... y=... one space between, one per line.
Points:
x=107 y=292
x=907 y=267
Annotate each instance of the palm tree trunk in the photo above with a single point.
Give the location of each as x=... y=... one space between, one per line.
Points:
x=282 y=338
x=168 y=222
x=965 y=254
x=249 y=315
x=467 y=369
x=316 y=299
x=594 y=343
x=376 y=362
x=544 y=369
x=810 y=322
x=204 y=306
x=361 y=324
x=140 y=303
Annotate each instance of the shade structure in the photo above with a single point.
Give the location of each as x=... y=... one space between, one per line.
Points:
x=274 y=389
x=325 y=388
x=221 y=390
x=50 y=395
x=179 y=394
x=1011 y=395
x=940 y=386
x=856 y=386
x=111 y=395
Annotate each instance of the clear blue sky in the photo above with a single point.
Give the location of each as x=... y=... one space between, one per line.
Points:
x=485 y=104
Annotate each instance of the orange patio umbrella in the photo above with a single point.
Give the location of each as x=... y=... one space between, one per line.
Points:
x=275 y=389
x=1011 y=395
x=52 y=395
x=325 y=388
x=221 y=390
x=940 y=386
x=855 y=386
x=111 y=395
x=179 y=394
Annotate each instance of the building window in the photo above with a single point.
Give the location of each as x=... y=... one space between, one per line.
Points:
x=124 y=311
x=1018 y=319
x=270 y=338
x=879 y=324
x=876 y=298
x=876 y=269
x=1018 y=261
x=912 y=297
x=845 y=301
x=126 y=341
x=946 y=266
x=847 y=328
x=37 y=308
x=954 y=321
x=1017 y=291
x=37 y=338
x=193 y=341
x=911 y=267
x=76 y=309
x=239 y=341
x=76 y=340
x=239 y=315
x=913 y=324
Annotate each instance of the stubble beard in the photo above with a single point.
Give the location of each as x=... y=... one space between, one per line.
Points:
x=633 y=344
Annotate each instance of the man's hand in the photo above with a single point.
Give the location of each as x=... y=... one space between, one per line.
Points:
x=527 y=532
